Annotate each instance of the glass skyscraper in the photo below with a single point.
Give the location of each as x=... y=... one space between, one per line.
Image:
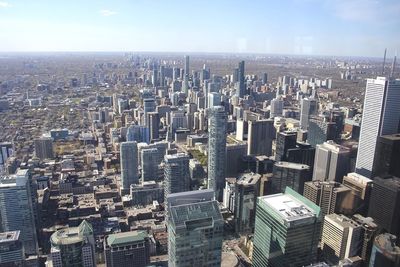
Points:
x=287 y=230
x=217 y=120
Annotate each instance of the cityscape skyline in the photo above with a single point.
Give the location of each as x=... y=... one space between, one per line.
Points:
x=220 y=27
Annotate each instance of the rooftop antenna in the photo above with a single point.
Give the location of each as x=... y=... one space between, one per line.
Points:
x=384 y=61
x=393 y=66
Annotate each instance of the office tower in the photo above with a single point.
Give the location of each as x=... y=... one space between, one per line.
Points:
x=214 y=99
x=138 y=133
x=260 y=136
x=162 y=75
x=234 y=153
x=128 y=249
x=361 y=188
x=385 y=252
x=123 y=104
x=73 y=246
x=241 y=88
x=308 y=107
x=331 y=162
x=149 y=164
x=387 y=155
x=154 y=124
x=44 y=148
x=381 y=116
x=176 y=174
x=149 y=105
x=320 y=129
x=384 y=205
x=16 y=209
x=290 y=174
x=129 y=164
x=147 y=192
x=6 y=151
x=12 y=252
x=303 y=153
x=287 y=230
x=217 y=120
x=246 y=193
x=284 y=142
x=195 y=229
x=332 y=197
x=154 y=77
x=341 y=238
x=276 y=107
x=370 y=229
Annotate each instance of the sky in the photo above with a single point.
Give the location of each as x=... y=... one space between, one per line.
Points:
x=303 y=27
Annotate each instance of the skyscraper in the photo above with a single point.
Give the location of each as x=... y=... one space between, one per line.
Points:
x=149 y=164
x=241 y=89
x=6 y=151
x=195 y=229
x=290 y=174
x=387 y=155
x=384 y=205
x=73 y=246
x=308 y=107
x=331 y=162
x=381 y=116
x=129 y=164
x=287 y=230
x=16 y=210
x=260 y=136
x=320 y=129
x=176 y=174
x=44 y=148
x=332 y=197
x=284 y=142
x=361 y=188
x=341 y=238
x=276 y=107
x=128 y=249
x=12 y=253
x=246 y=192
x=154 y=124
x=385 y=252
x=217 y=120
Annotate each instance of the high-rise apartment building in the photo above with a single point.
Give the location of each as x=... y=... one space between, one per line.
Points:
x=384 y=205
x=154 y=124
x=176 y=174
x=241 y=88
x=6 y=151
x=128 y=249
x=331 y=162
x=332 y=197
x=341 y=238
x=287 y=230
x=217 y=120
x=289 y=174
x=44 y=148
x=381 y=116
x=260 y=136
x=73 y=246
x=276 y=107
x=129 y=164
x=149 y=164
x=16 y=209
x=195 y=229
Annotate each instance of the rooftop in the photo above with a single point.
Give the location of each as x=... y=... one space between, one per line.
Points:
x=292 y=165
x=249 y=178
x=9 y=236
x=288 y=207
x=126 y=238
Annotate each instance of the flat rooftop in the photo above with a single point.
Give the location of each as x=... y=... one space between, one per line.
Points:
x=288 y=207
x=9 y=236
x=291 y=165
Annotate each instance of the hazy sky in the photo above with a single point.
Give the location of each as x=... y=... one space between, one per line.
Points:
x=319 y=27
